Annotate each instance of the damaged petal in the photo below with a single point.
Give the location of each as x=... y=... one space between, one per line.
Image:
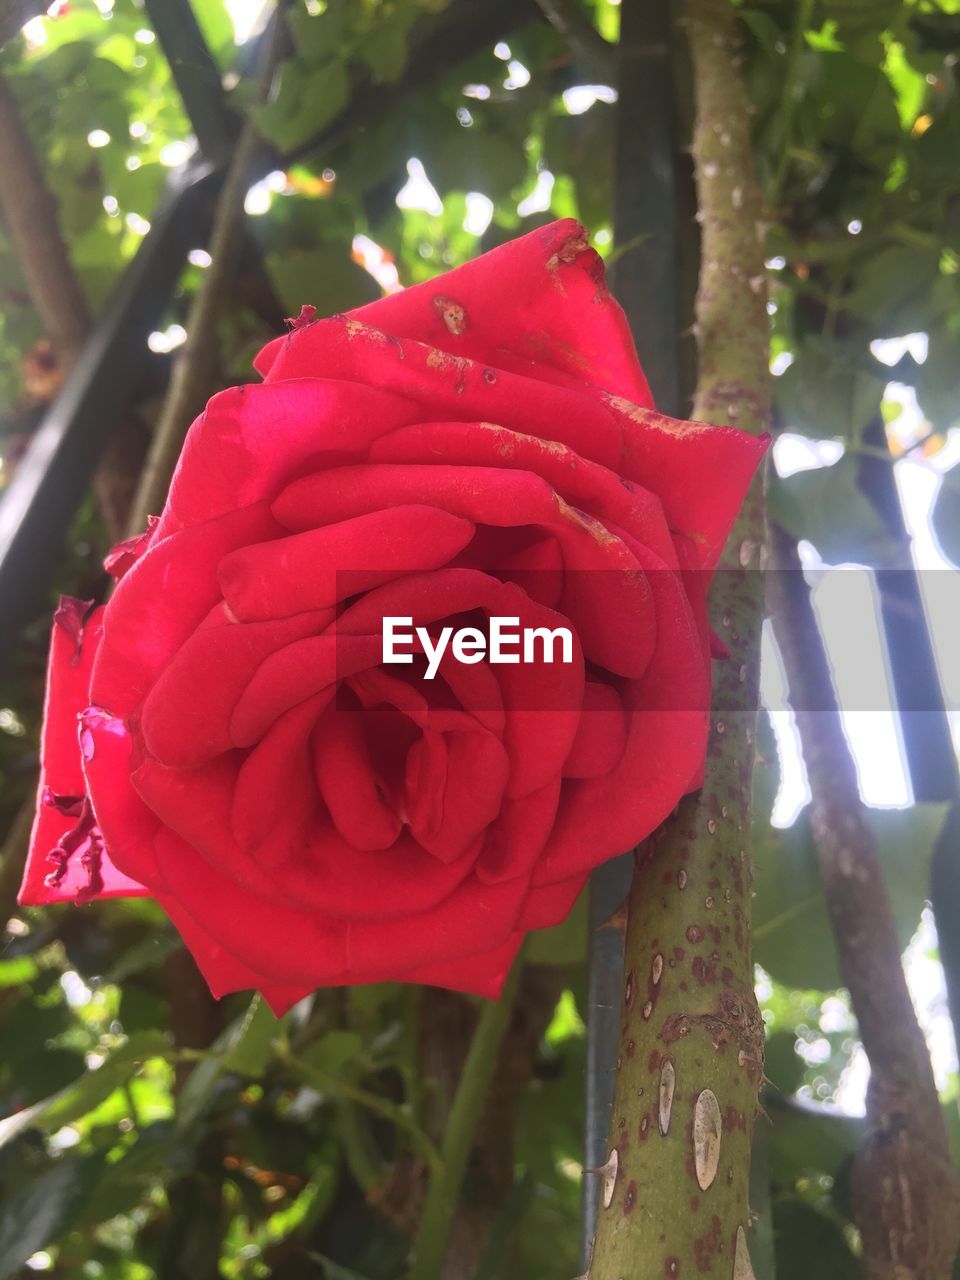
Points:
x=69 y=806
x=83 y=840
x=71 y=615
x=124 y=555
x=307 y=316
x=452 y=314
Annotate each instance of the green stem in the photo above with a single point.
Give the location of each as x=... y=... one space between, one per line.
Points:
x=471 y=1096
x=325 y=1083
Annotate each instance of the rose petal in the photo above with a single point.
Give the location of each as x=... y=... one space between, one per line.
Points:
x=315 y=569
x=162 y=600
x=537 y=303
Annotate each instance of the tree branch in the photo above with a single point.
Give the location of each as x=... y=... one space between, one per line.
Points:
x=906 y=1189
x=570 y=21
x=14 y=14
x=30 y=214
x=193 y=372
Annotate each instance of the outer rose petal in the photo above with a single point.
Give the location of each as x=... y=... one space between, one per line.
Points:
x=61 y=771
x=482 y=974
x=536 y=304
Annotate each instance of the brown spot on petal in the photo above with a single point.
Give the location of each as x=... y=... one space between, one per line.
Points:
x=452 y=314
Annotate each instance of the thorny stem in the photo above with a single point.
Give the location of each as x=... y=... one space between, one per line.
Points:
x=906 y=1191
x=193 y=372
x=675 y=1188
x=468 y=1103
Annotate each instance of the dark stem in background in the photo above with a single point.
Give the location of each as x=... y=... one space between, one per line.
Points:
x=572 y=23
x=675 y=1183
x=196 y=75
x=927 y=741
x=644 y=279
x=443 y=1189
x=906 y=1189
x=194 y=370
x=38 y=504
x=486 y=1216
x=217 y=128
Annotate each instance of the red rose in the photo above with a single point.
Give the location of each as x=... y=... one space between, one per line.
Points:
x=484 y=444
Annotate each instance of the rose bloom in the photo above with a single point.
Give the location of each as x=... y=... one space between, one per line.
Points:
x=224 y=736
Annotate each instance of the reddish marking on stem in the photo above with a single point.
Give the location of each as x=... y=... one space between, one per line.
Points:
x=630 y=1198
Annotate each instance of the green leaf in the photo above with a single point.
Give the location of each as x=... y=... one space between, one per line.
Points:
x=826 y=507
x=782 y=1065
x=564 y=944
x=810 y=1243
x=13 y=973
x=938 y=380
x=244 y=1047
x=384 y=47
x=308 y=99
x=326 y=278
x=33 y=1216
x=334 y=1052
x=155 y=1158
x=487 y=160
x=892 y=288
x=216 y=26
x=808 y=1137
x=254 y=1045
x=89 y=1090
x=828 y=392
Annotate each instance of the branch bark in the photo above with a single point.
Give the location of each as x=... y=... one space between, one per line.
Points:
x=30 y=215
x=676 y=1180
x=906 y=1190
x=14 y=14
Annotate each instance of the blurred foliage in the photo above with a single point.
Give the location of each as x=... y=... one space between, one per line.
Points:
x=150 y=1132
